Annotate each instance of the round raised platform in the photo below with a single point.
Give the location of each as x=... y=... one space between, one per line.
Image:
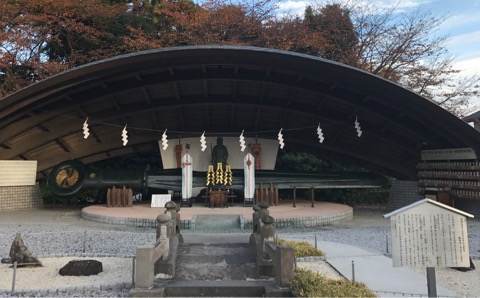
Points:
x=303 y=215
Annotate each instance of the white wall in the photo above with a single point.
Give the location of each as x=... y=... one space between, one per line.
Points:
x=201 y=160
x=18 y=172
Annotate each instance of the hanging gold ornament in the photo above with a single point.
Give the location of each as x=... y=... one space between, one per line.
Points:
x=210 y=175
x=219 y=174
x=227 y=180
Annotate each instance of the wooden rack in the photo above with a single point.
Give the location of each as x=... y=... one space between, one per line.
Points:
x=459 y=178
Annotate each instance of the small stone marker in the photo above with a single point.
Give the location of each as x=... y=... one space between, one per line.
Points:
x=81 y=268
x=429 y=234
x=19 y=253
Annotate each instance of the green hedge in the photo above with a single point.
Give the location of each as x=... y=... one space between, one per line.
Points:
x=307 y=283
x=302 y=248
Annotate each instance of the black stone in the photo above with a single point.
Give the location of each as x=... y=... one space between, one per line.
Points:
x=81 y=268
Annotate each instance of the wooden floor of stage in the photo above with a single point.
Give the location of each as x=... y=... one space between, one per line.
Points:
x=281 y=211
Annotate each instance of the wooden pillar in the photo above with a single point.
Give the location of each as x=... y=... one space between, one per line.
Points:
x=130 y=198
x=265 y=194
x=109 y=197
x=124 y=197
x=260 y=192
x=272 y=194
x=178 y=155
x=118 y=197
x=114 y=196
x=312 y=196
x=275 y=195
x=294 y=197
x=256 y=151
x=271 y=198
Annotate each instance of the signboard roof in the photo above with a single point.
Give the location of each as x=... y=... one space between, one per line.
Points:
x=400 y=210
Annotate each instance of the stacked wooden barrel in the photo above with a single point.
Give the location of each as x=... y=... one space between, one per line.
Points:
x=119 y=197
x=267 y=193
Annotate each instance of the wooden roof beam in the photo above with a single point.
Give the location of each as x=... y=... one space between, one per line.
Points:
x=205 y=81
x=23 y=156
x=43 y=128
x=62 y=144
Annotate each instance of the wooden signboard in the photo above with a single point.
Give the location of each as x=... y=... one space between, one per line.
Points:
x=429 y=234
x=18 y=172
x=159 y=200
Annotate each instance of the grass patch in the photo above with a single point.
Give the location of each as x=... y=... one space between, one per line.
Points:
x=307 y=283
x=301 y=248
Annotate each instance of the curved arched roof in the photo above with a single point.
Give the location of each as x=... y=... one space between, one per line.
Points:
x=224 y=89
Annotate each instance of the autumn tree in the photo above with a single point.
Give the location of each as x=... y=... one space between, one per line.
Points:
x=333 y=22
x=43 y=37
x=405 y=48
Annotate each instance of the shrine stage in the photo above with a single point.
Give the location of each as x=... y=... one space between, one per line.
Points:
x=303 y=215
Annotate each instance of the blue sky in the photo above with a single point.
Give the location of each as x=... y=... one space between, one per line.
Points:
x=461 y=25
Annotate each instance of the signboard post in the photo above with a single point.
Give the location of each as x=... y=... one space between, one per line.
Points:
x=428 y=234
x=431 y=282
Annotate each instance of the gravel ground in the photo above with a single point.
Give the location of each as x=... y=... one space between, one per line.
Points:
x=88 y=292
x=370 y=231
x=465 y=284
x=62 y=242
x=116 y=271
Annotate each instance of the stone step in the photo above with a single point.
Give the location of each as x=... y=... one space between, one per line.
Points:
x=225 y=288
x=217 y=222
x=219 y=261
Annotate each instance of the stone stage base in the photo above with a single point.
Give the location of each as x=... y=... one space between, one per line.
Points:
x=303 y=215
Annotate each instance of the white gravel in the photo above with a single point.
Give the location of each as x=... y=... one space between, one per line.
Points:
x=116 y=271
x=465 y=284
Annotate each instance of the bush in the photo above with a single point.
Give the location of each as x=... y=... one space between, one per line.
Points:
x=302 y=248
x=307 y=283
